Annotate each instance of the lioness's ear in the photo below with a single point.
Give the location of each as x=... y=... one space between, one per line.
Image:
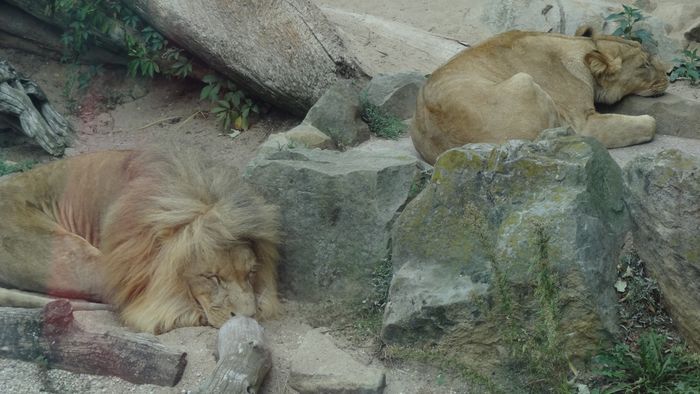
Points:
x=585 y=31
x=600 y=65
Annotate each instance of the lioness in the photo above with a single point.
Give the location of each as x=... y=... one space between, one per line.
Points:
x=169 y=240
x=516 y=84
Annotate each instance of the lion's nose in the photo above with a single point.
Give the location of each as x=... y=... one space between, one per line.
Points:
x=233 y=314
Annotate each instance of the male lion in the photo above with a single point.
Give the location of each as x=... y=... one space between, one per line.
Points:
x=517 y=84
x=169 y=241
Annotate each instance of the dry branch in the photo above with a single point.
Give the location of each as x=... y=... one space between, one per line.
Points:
x=50 y=334
x=244 y=359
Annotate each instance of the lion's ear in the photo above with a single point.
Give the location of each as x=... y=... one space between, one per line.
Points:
x=585 y=31
x=601 y=65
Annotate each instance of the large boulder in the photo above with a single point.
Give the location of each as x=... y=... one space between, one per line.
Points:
x=286 y=52
x=471 y=253
x=337 y=212
x=664 y=200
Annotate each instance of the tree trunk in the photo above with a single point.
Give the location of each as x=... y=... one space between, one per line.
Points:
x=244 y=359
x=25 y=108
x=51 y=334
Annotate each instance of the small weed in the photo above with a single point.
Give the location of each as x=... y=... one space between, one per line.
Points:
x=381 y=280
x=687 y=68
x=649 y=366
x=379 y=122
x=626 y=20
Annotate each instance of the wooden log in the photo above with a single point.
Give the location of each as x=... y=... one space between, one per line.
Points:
x=24 y=107
x=244 y=359
x=52 y=335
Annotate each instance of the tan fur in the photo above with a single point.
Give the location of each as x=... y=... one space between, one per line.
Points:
x=167 y=239
x=516 y=84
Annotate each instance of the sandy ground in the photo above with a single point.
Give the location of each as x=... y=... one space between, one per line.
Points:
x=117 y=112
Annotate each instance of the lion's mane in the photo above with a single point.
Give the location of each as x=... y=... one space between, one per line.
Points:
x=179 y=209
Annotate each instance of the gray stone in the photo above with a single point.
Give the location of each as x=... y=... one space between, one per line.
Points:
x=337 y=113
x=476 y=231
x=664 y=200
x=302 y=136
x=318 y=366
x=674 y=114
x=395 y=94
x=337 y=211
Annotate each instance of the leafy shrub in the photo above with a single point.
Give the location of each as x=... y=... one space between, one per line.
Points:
x=687 y=68
x=626 y=20
x=648 y=368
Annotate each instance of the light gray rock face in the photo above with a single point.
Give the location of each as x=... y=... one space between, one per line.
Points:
x=489 y=222
x=664 y=200
x=337 y=114
x=318 y=366
x=337 y=210
x=286 y=52
x=395 y=94
x=674 y=115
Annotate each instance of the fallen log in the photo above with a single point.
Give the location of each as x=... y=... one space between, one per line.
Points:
x=51 y=334
x=244 y=359
x=25 y=108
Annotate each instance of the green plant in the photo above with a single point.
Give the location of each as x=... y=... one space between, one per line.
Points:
x=626 y=20
x=9 y=168
x=688 y=67
x=180 y=66
x=380 y=282
x=380 y=122
x=649 y=367
x=143 y=60
x=233 y=110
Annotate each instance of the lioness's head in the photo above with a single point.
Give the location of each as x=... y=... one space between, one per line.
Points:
x=222 y=284
x=621 y=67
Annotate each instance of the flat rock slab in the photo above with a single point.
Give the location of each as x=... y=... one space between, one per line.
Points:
x=624 y=155
x=318 y=366
x=675 y=115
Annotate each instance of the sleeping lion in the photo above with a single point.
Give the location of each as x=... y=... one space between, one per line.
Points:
x=168 y=241
x=516 y=84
